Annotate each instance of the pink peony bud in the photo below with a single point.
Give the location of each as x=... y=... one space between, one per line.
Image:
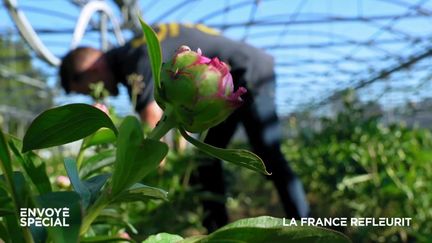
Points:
x=102 y=107
x=124 y=235
x=198 y=90
x=63 y=181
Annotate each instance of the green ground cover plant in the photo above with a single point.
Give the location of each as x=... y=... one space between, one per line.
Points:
x=355 y=165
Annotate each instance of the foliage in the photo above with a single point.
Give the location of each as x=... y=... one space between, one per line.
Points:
x=19 y=61
x=255 y=230
x=357 y=166
x=19 y=99
x=109 y=178
x=135 y=157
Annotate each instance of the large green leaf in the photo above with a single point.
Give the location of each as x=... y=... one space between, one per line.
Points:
x=135 y=157
x=21 y=195
x=147 y=158
x=37 y=174
x=95 y=184
x=97 y=162
x=102 y=239
x=22 y=199
x=79 y=187
x=14 y=229
x=6 y=204
x=65 y=124
x=39 y=234
x=4 y=235
x=129 y=138
x=70 y=200
x=268 y=229
x=5 y=159
x=5 y=211
x=163 y=238
x=194 y=239
x=239 y=157
x=139 y=192
x=102 y=136
x=154 y=51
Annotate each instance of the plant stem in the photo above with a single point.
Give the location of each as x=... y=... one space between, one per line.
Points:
x=94 y=211
x=80 y=156
x=164 y=125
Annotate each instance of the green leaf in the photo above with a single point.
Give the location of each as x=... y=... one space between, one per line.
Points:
x=6 y=211
x=79 y=187
x=5 y=159
x=39 y=234
x=97 y=162
x=269 y=229
x=14 y=229
x=69 y=200
x=145 y=159
x=154 y=51
x=239 y=157
x=102 y=136
x=21 y=192
x=65 y=124
x=37 y=174
x=95 y=239
x=4 y=235
x=140 y=192
x=22 y=199
x=163 y=238
x=6 y=204
x=95 y=184
x=135 y=157
x=194 y=239
x=129 y=138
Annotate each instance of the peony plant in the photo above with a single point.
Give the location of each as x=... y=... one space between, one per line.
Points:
x=197 y=91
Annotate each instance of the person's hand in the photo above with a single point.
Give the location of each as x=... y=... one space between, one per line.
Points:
x=151 y=114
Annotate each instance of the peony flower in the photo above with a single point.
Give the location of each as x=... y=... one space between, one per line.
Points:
x=63 y=181
x=124 y=235
x=198 y=91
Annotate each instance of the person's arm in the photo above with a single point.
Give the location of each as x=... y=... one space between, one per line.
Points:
x=151 y=114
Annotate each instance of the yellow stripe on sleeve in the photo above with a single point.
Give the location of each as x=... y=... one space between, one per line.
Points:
x=174 y=29
x=207 y=29
x=162 y=33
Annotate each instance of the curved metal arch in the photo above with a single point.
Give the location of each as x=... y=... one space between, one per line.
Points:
x=28 y=33
x=83 y=20
x=219 y=11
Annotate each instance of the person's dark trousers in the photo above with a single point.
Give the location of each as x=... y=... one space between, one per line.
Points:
x=260 y=120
